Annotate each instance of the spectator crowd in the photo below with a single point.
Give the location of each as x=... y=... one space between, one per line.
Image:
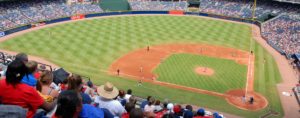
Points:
x=28 y=90
x=157 y=5
x=16 y=13
x=284 y=32
x=243 y=8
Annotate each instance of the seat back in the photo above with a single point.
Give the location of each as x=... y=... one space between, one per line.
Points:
x=12 y=111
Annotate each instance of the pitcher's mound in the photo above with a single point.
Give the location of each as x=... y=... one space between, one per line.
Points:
x=204 y=71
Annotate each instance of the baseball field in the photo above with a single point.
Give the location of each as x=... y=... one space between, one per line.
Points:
x=189 y=60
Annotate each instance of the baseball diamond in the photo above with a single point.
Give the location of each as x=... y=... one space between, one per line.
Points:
x=95 y=47
x=150 y=58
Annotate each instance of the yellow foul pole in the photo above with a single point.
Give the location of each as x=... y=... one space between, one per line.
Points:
x=253 y=10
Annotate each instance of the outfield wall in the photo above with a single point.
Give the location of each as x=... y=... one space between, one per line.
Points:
x=14 y=30
x=21 y=28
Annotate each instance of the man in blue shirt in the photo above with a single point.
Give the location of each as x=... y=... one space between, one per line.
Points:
x=29 y=79
x=145 y=102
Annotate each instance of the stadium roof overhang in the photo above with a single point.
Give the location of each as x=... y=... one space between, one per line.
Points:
x=289 y=1
x=297 y=56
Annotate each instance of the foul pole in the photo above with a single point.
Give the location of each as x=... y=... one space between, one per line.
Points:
x=253 y=10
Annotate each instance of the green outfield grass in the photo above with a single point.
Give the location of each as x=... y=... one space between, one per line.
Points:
x=89 y=47
x=179 y=69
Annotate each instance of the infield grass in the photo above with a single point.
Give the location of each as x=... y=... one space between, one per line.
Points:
x=89 y=47
x=180 y=69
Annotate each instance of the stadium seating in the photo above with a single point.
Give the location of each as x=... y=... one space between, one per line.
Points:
x=243 y=8
x=149 y=5
x=16 y=13
x=284 y=32
x=221 y=7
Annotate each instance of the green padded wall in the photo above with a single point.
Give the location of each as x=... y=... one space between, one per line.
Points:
x=114 y=5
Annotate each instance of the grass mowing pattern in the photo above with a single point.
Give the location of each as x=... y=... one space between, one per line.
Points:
x=87 y=47
x=266 y=77
x=179 y=69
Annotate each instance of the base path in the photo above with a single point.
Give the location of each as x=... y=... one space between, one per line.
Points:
x=140 y=64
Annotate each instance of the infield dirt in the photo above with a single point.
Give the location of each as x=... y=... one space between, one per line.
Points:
x=139 y=64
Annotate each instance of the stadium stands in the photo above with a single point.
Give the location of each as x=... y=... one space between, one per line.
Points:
x=149 y=5
x=17 y=13
x=284 y=32
x=220 y=7
x=243 y=8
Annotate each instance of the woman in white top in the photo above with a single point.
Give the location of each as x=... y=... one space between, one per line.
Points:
x=157 y=106
x=150 y=106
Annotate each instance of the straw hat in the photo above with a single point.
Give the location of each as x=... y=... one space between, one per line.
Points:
x=108 y=91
